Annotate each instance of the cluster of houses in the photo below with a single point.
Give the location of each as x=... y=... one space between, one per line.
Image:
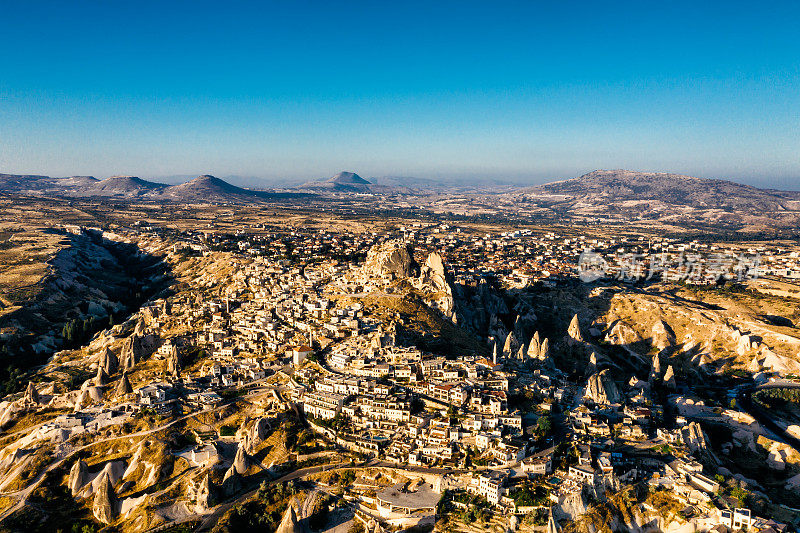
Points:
x=381 y=389
x=420 y=409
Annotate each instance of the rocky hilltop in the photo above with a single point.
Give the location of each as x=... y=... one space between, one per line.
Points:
x=390 y=261
x=207 y=189
x=655 y=197
x=343 y=182
x=393 y=261
x=124 y=186
x=674 y=189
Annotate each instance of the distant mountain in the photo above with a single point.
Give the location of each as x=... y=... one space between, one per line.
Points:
x=658 y=197
x=207 y=188
x=201 y=189
x=614 y=186
x=122 y=186
x=343 y=181
x=30 y=184
x=25 y=183
x=596 y=197
x=77 y=181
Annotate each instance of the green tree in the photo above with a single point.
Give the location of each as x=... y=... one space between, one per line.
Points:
x=544 y=425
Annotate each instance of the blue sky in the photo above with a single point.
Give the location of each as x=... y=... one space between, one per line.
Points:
x=527 y=92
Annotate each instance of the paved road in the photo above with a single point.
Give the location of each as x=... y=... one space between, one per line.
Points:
x=210 y=520
x=207 y=522
x=764 y=417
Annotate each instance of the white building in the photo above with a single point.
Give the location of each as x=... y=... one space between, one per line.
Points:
x=300 y=353
x=738 y=519
x=322 y=404
x=490 y=486
x=151 y=395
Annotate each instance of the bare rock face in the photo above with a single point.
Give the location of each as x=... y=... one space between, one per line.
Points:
x=108 y=362
x=433 y=274
x=601 y=389
x=538 y=349
x=105 y=501
x=693 y=437
x=521 y=354
x=102 y=378
x=544 y=351
x=240 y=462
x=9 y=412
x=655 y=369
x=745 y=344
x=534 y=347
x=136 y=348
x=232 y=482
x=131 y=352
x=572 y=505
x=574 y=331
x=123 y=386
x=148 y=315
x=88 y=395
x=256 y=436
x=774 y=362
x=592 y=366
x=392 y=260
x=511 y=345
x=204 y=498
x=78 y=476
x=31 y=396
x=141 y=324
x=662 y=335
x=433 y=280
x=669 y=378
x=173 y=363
x=623 y=334
x=84 y=399
x=289 y=522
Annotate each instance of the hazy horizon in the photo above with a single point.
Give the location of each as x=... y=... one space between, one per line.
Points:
x=522 y=93
x=256 y=182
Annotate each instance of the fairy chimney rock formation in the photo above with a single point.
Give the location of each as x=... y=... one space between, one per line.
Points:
x=105 y=501
x=574 y=331
x=78 y=476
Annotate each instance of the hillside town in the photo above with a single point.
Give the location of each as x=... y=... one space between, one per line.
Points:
x=399 y=267
x=344 y=330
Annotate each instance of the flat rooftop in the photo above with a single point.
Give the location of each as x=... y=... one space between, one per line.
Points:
x=414 y=497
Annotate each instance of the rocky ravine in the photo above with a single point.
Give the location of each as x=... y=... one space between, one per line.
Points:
x=92 y=276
